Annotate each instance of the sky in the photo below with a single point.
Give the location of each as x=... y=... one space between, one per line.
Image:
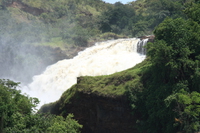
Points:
x=122 y=1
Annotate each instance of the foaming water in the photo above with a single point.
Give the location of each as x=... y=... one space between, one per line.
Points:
x=102 y=59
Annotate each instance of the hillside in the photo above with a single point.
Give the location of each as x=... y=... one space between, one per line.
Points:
x=159 y=95
x=34 y=35
x=66 y=27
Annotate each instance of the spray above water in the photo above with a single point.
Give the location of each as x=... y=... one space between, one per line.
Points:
x=102 y=59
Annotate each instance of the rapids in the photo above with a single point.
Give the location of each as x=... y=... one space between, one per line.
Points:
x=101 y=59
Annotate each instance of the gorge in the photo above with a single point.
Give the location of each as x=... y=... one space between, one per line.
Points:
x=102 y=59
x=97 y=113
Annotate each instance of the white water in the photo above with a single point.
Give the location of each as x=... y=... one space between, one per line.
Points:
x=140 y=46
x=102 y=59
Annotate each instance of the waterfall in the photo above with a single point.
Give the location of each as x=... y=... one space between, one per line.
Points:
x=140 y=46
x=101 y=59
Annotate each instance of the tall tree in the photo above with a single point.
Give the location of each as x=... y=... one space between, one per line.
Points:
x=171 y=99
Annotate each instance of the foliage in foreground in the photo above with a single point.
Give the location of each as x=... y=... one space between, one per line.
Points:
x=17 y=114
x=171 y=99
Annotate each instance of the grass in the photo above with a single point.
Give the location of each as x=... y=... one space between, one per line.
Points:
x=115 y=85
x=55 y=42
x=35 y=3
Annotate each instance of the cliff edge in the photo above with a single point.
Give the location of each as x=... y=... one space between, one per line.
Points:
x=101 y=104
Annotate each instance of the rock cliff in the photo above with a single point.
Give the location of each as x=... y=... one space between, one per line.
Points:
x=101 y=104
x=99 y=114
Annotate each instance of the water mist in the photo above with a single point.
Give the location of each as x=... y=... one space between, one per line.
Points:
x=102 y=59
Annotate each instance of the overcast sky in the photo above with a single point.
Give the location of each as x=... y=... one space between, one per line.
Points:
x=122 y=1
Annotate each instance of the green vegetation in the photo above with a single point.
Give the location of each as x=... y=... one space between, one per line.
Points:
x=114 y=85
x=17 y=114
x=79 y=22
x=171 y=99
x=164 y=89
x=43 y=25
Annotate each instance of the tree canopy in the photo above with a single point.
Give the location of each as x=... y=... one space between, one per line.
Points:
x=170 y=101
x=18 y=114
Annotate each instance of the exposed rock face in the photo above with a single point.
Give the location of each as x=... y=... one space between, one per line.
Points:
x=150 y=38
x=98 y=114
x=26 y=8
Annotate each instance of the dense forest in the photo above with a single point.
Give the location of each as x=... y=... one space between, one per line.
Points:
x=165 y=92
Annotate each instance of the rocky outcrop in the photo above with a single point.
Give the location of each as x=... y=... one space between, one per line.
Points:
x=143 y=41
x=97 y=114
x=150 y=38
x=26 y=8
